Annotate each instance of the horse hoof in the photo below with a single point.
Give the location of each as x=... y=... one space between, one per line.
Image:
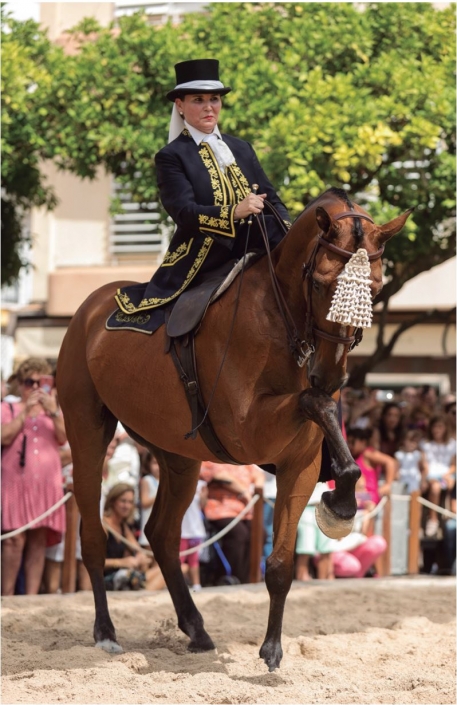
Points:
x=272 y=655
x=111 y=647
x=331 y=525
x=204 y=643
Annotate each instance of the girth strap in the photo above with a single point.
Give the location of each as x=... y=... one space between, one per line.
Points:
x=187 y=370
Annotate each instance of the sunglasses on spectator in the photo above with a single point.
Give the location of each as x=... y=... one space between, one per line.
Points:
x=29 y=382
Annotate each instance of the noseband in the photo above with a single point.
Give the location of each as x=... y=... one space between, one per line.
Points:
x=308 y=269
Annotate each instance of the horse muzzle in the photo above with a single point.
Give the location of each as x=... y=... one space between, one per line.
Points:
x=327 y=384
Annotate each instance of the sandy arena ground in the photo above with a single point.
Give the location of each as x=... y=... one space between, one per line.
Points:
x=352 y=641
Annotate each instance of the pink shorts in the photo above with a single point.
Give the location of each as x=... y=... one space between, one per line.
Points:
x=192 y=559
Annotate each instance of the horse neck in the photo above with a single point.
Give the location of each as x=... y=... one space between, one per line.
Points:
x=291 y=254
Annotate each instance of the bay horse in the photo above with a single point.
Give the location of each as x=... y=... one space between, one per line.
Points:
x=267 y=409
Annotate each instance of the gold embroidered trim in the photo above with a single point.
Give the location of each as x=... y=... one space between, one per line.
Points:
x=217 y=184
x=239 y=181
x=140 y=318
x=123 y=300
x=172 y=257
x=217 y=225
x=213 y=222
x=221 y=186
x=228 y=184
x=137 y=330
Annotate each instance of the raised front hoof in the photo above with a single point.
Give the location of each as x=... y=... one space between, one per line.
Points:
x=111 y=647
x=203 y=643
x=271 y=653
x=330 y=524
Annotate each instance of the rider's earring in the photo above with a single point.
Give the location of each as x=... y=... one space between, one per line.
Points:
x=182 y=114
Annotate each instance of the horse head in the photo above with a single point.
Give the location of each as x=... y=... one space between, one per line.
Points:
x=341 y=277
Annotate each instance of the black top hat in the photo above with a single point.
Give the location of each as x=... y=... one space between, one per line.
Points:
x=202 y=70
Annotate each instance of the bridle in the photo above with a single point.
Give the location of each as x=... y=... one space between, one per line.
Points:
x=308 y=269
x=302 y=350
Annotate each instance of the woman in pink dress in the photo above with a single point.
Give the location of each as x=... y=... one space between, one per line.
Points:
x=32 y=431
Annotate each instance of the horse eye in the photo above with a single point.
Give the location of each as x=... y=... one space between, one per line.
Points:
x=316 y=285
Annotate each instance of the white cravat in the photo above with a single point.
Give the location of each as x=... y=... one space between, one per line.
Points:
x=222 y=151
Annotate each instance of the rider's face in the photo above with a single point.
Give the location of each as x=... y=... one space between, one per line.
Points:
x=201 y=111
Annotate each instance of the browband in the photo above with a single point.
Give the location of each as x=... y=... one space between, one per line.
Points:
x=352 y=214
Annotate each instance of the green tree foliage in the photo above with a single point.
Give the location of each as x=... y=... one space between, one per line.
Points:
x=27 y=60
x=349 y=95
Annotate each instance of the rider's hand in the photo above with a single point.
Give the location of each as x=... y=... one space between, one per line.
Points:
x=253 y=203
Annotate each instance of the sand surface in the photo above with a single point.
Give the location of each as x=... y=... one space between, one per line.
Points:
x=347 y=641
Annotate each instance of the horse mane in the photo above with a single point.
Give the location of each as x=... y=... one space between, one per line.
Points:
x=340 y=193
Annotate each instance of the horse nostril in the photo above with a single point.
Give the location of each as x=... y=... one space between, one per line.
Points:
x=314 y=380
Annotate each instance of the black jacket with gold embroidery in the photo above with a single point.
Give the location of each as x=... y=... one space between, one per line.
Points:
x=201 y=200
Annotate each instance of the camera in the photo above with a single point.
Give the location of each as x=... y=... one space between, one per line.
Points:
x=46 y=383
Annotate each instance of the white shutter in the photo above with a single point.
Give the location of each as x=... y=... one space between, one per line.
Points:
x=137 y=227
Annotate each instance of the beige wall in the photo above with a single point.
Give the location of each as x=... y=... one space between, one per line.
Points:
x=70 y=286
x=76 y=233
x=57 y=17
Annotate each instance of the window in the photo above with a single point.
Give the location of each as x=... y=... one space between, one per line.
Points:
x=137 y=227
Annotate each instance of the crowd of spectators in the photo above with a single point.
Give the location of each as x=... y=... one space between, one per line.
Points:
x=406 y=437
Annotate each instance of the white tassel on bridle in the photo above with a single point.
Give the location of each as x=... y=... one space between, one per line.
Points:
x=351 y=304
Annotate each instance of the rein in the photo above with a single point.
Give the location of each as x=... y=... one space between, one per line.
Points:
x=300 y=354
x=303 y=349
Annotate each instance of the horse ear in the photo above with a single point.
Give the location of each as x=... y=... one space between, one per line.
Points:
x=394 y=226
x=323 y=219
x=325 y=222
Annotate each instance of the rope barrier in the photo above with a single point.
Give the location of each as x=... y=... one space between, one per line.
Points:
x=426 y=503
x=188 y=551
x=58 y=504
x=401 y=497
x=213 y=539
x=446 y=512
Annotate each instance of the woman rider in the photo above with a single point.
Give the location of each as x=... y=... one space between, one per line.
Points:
x=205 y=180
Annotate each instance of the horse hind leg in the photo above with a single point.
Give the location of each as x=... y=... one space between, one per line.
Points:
x=178 y=480
x=90 y=427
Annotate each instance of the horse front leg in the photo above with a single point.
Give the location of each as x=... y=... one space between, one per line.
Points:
x=336 y=511
x=292 y=498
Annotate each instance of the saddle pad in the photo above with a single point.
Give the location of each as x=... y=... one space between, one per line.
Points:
x=146 y=322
